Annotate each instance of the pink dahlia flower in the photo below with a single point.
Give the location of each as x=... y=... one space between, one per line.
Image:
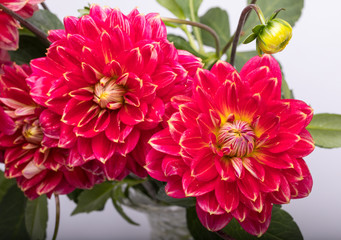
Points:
x=9 y=35
x=107 y=78
x=38 y=169
x=236 y=146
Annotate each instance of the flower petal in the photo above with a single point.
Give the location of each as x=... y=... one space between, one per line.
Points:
x=103 y=148
x=163 y=142
x=208 y=203
x=227 y=195
x=193 y=188
x=211 y=221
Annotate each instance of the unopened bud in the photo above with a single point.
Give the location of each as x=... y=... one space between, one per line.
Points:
x=274 y=36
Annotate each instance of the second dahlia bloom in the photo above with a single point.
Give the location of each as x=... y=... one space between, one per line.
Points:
x=37 y=168
x=9 y=35
x=235 y=145
x=106 y=78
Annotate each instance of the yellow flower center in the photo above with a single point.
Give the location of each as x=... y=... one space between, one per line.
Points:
x=108 y=94
x=33 y=133
x=236 y=139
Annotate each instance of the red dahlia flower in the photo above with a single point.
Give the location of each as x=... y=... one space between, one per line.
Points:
x=38 y=169
x=106 y=78
x=236 y=146
x=9 y=35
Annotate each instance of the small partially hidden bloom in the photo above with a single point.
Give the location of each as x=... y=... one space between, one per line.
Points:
x=38 y=169
x=235 y=146
x=106 y=80
x=9 y=35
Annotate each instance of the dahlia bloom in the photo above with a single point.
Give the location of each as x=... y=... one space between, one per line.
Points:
x=235 y=146
x=106 y=79
x=37 y=168
x=9 y=35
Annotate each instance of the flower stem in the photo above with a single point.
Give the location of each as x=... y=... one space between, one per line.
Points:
x=56 y=226
x=190 y=37
x=199 y=25
x=224 y=235
x=45 y=6
x=41 y=35
x=241 y=22
x=196 y=31
x=229 y=43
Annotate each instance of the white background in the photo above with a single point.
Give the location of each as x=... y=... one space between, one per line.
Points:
x=312 y=66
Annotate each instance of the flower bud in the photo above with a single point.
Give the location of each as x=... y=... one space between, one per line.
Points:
x=274 y=36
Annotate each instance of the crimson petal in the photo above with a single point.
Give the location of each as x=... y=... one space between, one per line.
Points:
x=163 y=142
x=211 y=221
x=208 y=203
x=103 y=148
x=193 y=188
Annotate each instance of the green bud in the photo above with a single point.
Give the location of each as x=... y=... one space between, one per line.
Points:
x=274 y=36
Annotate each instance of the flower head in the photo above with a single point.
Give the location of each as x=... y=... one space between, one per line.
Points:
x=106 y=78
x=9 y=35
x=38 y=169
x=235 y=145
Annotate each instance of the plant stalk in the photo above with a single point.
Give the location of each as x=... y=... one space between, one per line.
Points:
x=229 y=43
x=224 y=235
x=199 y=25
x=241 y=23
x=56 y=226
x=40 y=34
x=196 y=31
x=45 y=6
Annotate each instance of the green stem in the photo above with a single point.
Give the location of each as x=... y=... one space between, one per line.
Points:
x=241 y=23
x=56 y=226
x=196 y=31
x=199 y=25
x=190 y=37
x=41 y=35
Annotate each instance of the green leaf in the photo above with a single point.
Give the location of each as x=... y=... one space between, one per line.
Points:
x=257 y=28
x=293 y=10
x=186 y=5
x=183 y=202
x=181 y=8
x=218 y=20
x=94 y=199
x=75 y=194
x=85 y=10
x=29 y=48
x=250 y=38
x=5 y=184
x=197 y=230
x=12 y=215
x=116 y=197
x=282 y=227
x=287 y=93
x=242 y=58
x=45 y=21
x=181 y=43
x=36 y=216
x=326 y=130
x=173 y=7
